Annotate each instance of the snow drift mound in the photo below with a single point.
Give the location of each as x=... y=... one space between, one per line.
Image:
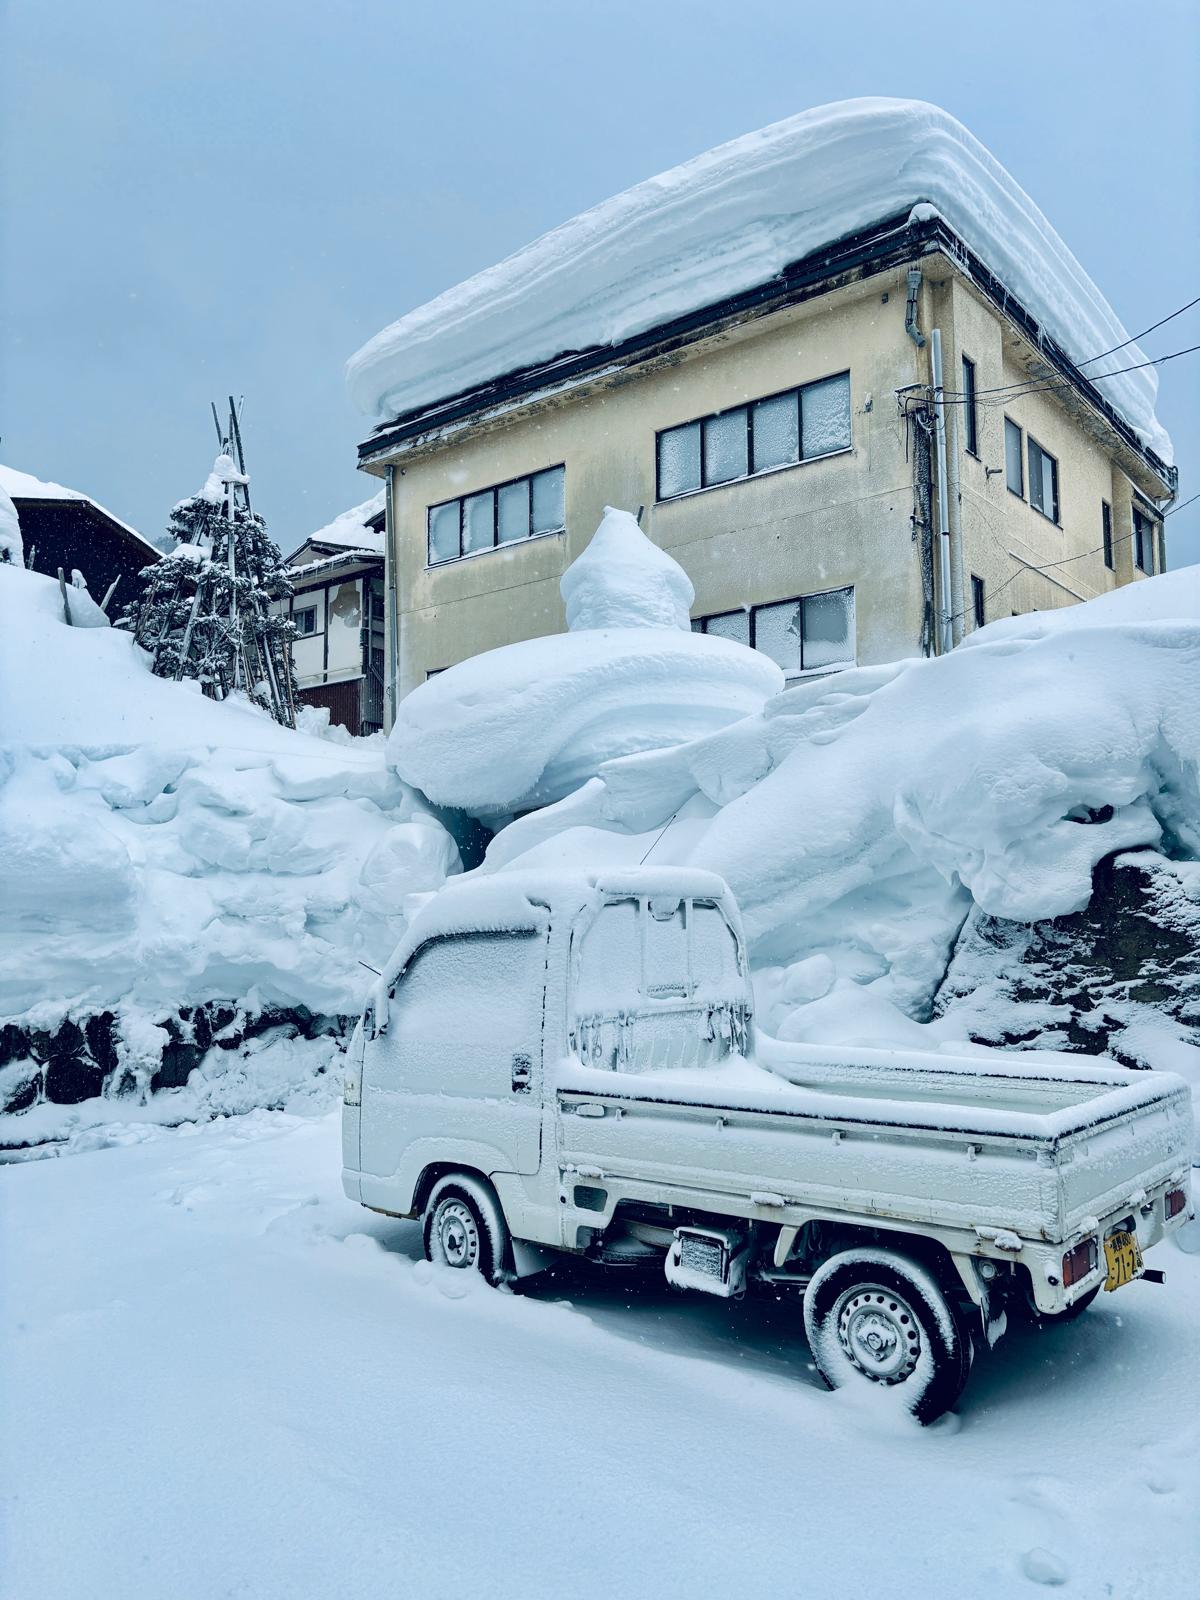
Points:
x=858 y=818
x=159 y=851
x=732 y=219
x=524 y=725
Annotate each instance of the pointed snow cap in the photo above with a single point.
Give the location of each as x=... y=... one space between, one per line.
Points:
x=224 y=471
x=623 y=580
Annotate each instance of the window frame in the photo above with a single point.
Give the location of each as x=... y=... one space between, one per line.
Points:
x=748 y=407
x=1106 y=536
x=1020 y=433
x=700 y=625
x=304 y=611
x=978 y=601
x=497 y=543
x=1144 y=546
x=970 y=407
x=1032 y=444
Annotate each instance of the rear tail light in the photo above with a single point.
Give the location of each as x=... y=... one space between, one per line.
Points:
x=1079 y=1262
x=1176 y=1201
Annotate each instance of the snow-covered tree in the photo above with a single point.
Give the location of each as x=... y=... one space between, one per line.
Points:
x=206 y=607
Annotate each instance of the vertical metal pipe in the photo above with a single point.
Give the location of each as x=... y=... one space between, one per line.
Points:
x=945 y=598
x=391 y=600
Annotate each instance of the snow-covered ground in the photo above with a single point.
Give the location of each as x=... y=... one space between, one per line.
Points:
x=223 y=1378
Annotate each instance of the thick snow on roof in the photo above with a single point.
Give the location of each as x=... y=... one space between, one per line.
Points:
x=730 y=220
x=24 y=486
x=350 y=528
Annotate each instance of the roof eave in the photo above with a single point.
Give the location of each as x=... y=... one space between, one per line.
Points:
x=880 y=248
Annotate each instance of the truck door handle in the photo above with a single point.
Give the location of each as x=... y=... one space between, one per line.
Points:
x=522 y=1074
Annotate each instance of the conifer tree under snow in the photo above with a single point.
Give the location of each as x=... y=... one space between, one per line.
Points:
x=206 y=607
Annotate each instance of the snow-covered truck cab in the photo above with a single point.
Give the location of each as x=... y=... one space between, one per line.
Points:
x=566 y=1063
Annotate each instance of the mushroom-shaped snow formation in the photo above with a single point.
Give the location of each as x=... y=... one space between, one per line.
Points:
x=529 y=723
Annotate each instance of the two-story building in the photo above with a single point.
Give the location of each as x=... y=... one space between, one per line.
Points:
x=866 y=413
x=337 y=606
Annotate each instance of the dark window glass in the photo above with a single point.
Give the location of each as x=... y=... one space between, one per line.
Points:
x=1106 y=529
x=1043 y=481
x=978 y=602
x=1014 y=474
x=970 y=409
x=306 y=620
x=828 y=629
x=728 y=625
x=1143 y=541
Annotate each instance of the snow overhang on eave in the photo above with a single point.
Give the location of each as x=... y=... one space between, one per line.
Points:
x=345 y=561
x=881 y=248
x=93 y=508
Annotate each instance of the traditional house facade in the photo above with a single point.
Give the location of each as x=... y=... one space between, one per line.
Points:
x=866 y=455
x=338 y=611
x=68 y=530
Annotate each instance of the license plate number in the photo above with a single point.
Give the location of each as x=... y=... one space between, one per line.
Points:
x=1124 y=1257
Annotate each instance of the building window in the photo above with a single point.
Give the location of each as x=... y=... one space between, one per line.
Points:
x=779 y=431
x=970 y=408
x=978 y=602
x=1143 y=541
x=1106 y=534
x=806 y=634
x=524 y=508
x=305 y=620
x=1014 y=468
x=1043 y=481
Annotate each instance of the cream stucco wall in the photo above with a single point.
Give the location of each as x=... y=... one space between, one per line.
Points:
x=846 y=519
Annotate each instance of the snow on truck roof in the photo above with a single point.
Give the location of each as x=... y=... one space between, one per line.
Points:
x=731 y=220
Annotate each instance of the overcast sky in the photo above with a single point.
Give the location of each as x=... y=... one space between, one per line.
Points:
x=205 y=198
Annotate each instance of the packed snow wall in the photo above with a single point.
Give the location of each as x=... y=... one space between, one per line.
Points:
x=182 y=883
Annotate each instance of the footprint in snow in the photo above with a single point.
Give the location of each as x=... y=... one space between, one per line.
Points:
x=1043 y=1566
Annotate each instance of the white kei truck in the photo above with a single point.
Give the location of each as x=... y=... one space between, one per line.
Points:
x=565 y=1062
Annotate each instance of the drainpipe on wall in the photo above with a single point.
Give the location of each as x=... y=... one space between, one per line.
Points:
x=958 y=577
x=391 y=661
x=945 y=591
x=910 y=308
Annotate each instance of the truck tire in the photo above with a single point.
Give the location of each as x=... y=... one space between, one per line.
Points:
x=463 y=1227
x=875 y=1317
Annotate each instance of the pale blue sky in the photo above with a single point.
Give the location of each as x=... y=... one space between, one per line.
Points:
x=206 y=197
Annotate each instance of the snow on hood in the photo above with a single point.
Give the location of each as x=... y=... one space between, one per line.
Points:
x=732 y=219
x=526 y=724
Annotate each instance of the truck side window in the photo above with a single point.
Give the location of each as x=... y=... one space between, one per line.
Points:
x=437 y=1025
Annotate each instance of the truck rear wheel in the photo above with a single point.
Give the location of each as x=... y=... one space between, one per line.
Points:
x=874 y=1317
x=463 y=1227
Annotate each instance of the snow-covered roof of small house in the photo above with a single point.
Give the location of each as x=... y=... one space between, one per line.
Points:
x=731 y=220
x=24 y=486
x=351 y=531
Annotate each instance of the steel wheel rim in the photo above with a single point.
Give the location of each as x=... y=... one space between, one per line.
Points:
x=457 y=1234
x=878 y=1332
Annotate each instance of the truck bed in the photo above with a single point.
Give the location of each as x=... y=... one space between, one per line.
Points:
x=1029 y=1146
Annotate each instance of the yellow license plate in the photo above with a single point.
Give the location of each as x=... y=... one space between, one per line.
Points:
x=1124 y=1257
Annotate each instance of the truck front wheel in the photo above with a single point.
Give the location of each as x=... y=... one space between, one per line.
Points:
x=875 y=1317
x=463 y=1227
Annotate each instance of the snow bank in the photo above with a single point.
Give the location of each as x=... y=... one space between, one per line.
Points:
x=12 y=548
x=860 y=817
x=158 y=849
x=732 y=219
x=524 y=725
